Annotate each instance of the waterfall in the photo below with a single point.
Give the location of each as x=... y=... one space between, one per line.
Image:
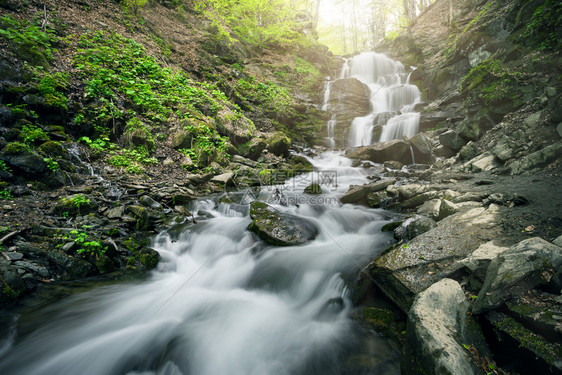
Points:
x=222 y=301
x=390 y=93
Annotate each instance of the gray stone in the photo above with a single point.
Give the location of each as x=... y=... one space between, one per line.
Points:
x=524 y=266
x=477 y=263
x=430 y=209
x=147 y=201
x=422 y=148
x=559 y=129
x=278 y=228
x=505 y=149
x=242 y=160
x=395 y=150
x=413 y=227
x=225 y=178
x=469 y=151
x=446 y=208
x=558 y=241
x=533 y=119
x=237 y=128
x=537 y=159
x=32 y=267
x=420 y=199
x=115 y=213
x=13 y=256
x=313 y=189
x=168 y=161
x=357 y=194
x=452 y=140
x=435 y=331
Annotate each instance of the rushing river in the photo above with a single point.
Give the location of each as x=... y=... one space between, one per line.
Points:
x=222 y=301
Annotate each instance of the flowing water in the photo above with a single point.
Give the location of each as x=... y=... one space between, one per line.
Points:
x=221 y=301
x=391 y=94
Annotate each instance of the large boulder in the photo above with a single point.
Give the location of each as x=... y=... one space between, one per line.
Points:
x=436 y=332
x=237 y=128
x=537 y=159
x=422 y=148
x=524 y=266
x=358 y=194
x=278 y=228
x=452 y=140
x=395 y=150
x=278 y=144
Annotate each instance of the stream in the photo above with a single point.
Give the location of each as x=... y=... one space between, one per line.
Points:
x=222 y=301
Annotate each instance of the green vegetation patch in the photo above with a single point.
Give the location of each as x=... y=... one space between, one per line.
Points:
x=544 y=30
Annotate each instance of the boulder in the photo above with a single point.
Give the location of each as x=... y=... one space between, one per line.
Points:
x=70 y=267
x=395 y=150
x=278 y=228
x=413 y=227
x=477 y=263
x=237 y=128
x=422 y=148
x=446 y=208
x=225 y=178
x=358 y=194
x=537 y=159
x=436 y=331
x=452 y=140
x=278 y=144
x=524 y=266
x=407 y=269
x=430 y=209
x=182 y=139
x=28 y=162
x=350 y=95
x=313 y=189
x=252 y=149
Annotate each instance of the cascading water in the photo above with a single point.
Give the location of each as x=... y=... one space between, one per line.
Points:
x=391 y=95
x=221 y=301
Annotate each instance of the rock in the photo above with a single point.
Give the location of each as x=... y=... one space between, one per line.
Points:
x=115 y=212
x=71 y=268
x=237 y=128
x=147 y=201
x=548 y=353
x=481 y=163
x=477 y=263
x=405 y=270
x=313 y=189
x=413 y=227
x=352 y=95
x=357 y=194
x=242 y=160
x=430 y=120
x=168 y=161
x=559 y=129
x=469 y=151
x=376 y=199
x=12 y=256
x=524 y=266
x=446 y=208
x=435 y=330
x=396 y=150
x=141 y=216
x=225 y=178
x=419 y=199
x=252 y=149
x=452 y=140
x=422 y=148
x=182 y=139
x=537 y=159
x=278 y=144
x=558 y=241
x=278 y=228
x=28 y=162
x=506 y=148
x=430 y=209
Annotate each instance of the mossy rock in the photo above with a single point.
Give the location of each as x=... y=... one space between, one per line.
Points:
x=74 y=205
x=15 y=148
x=53 y=149
x=142 y=216
x=278 y=144
x=148 y=257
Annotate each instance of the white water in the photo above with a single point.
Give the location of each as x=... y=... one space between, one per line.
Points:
x=391 y=92
x=221 y=301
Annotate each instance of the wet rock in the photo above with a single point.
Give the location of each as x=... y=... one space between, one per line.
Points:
x=435 y=331
x=524 y=266
x=313 y=189
x=452 y=140
x=28 y=162
x=537 y=159
x=252 y=149
x=419 y=199
x=413 y=227
x=70 y=267
x=278 y=228
x=422 y=148
x=352 y=95
x=224 y=179
x=142 y=217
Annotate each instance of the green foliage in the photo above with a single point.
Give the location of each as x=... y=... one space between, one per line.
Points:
x=131 y=160
x=545 y=27
x=27 y=41
x=49 y=85
x=133 y=6
x=85 y=243
x=4 y=167
x=15 y=148
x=32 y=134
x=275 y=100
x=491 y=81
x=253 y=21
x=463 y=34
x=6 y=195
x=77 y=201
x=51 y=164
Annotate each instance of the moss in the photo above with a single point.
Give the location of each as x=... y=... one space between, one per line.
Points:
x=15 y=148
x=9 y=293
x=53 y=148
